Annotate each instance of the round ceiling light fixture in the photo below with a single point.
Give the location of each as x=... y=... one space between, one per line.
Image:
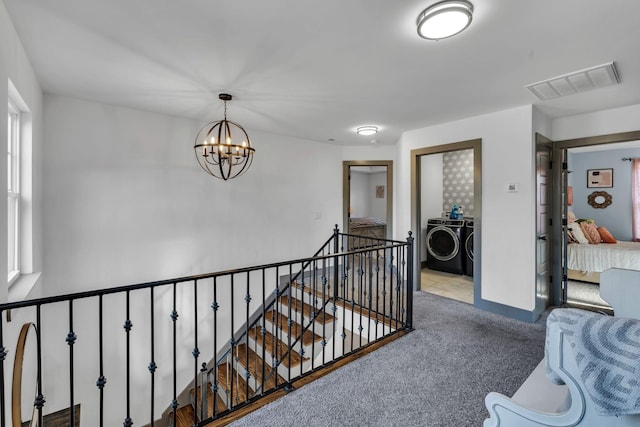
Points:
x=367 y=130
x=444 y=19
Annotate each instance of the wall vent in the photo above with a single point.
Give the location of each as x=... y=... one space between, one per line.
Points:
x=576 y=82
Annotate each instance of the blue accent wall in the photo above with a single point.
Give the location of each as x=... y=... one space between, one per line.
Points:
x=616 y=217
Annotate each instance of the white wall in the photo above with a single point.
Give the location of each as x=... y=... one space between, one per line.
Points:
x=15 y=65
x=431 y=194
x=508 y=219
x=358 y=199
x=623 y=119
x=126 y=201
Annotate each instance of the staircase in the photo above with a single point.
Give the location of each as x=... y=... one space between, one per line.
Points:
x=216 y=345
x=304 y=328
x=277 y=348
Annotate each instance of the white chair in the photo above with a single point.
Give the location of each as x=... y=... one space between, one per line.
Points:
x=539 y=402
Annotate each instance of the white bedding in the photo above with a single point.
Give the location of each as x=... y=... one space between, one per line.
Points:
x=601 y=257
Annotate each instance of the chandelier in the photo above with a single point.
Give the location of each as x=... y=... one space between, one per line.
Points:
x=223 y=148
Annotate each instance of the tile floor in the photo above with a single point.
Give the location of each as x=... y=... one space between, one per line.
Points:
x=448 y=285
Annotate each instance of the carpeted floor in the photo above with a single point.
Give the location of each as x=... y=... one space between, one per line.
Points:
x=438 y=375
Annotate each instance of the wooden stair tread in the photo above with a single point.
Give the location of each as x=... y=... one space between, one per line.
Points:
x=220 y=405
x=307 y=338
x=276 y=347
x=184 y=416
x=255 y=367
x=309 y=290
x=239 y=384
x=304 y=308
x=364 y=311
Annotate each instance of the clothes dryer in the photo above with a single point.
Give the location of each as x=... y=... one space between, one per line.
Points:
x=468 y=247
x=445 y=240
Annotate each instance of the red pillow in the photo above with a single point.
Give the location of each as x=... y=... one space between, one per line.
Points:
x=591 y=232
x=606 y=236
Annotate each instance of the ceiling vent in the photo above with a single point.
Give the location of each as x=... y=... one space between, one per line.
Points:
x=576 y=82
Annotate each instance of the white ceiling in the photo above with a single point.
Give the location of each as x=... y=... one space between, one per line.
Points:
x=318 y=69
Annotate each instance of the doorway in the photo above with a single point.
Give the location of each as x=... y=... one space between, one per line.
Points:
x=446 y=207
x=570 y=285
x=367 y=192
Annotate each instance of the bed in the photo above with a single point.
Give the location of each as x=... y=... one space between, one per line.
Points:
x=586 y=261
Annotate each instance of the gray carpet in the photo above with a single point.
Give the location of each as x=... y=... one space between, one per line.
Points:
x=438 y=375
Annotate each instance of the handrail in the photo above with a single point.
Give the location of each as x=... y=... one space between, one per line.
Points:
x=224 y=333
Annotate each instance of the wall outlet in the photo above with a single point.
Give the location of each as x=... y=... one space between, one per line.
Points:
x=317 y=215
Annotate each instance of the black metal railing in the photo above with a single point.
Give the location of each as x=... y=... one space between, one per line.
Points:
x=242 y=333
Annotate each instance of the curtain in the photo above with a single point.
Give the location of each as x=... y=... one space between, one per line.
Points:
x=635 y=198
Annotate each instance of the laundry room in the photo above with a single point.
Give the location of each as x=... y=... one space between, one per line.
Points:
x=447 y=213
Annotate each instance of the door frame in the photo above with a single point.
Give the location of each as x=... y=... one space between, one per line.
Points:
x=559 y=209
x=346 y=191
x=416 y=214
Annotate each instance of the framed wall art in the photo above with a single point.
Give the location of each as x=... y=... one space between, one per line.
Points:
x=599 y=178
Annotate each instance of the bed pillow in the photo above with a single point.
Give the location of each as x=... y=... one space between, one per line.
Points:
x=571 y=217
x=576 y=233
x=591 y=232
x=606 y=236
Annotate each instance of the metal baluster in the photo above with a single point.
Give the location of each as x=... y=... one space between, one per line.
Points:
x=369 y=287
x=300 y=291
x=127 y=327
x=274 y=349
x=289 y=349
x=71 y=340
x=195 y=351
x=378 y=293
x=409 y=275
x=361 y=277
x=215 y=306
x=102 y=381
x=232 y=343
x=264 y=313
x=247 y=300
x=39 y=402
x=152 y=365
x=324 y=298
x=336 y=276
x=314 y=296
x=3 y=355
x=398 y=286
x=174 y=318
x=384 y=290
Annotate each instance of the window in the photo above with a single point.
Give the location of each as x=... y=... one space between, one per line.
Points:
x=13 y=191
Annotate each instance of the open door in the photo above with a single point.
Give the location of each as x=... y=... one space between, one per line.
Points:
x=544 y=199
x=367 y=192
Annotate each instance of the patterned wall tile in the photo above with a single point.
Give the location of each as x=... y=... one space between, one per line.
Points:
x=457 y=180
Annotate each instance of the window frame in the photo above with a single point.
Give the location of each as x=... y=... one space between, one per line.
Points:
x=13 y=191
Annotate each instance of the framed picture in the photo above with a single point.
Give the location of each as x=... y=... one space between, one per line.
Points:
x=599 y=178
x=379 y=191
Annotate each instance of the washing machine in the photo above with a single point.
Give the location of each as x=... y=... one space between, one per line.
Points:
x=468 y=247
x=445 y=240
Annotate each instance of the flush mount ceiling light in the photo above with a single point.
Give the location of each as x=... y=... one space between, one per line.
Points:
x=367 y=130
x=444 y=19
x=223 y=148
